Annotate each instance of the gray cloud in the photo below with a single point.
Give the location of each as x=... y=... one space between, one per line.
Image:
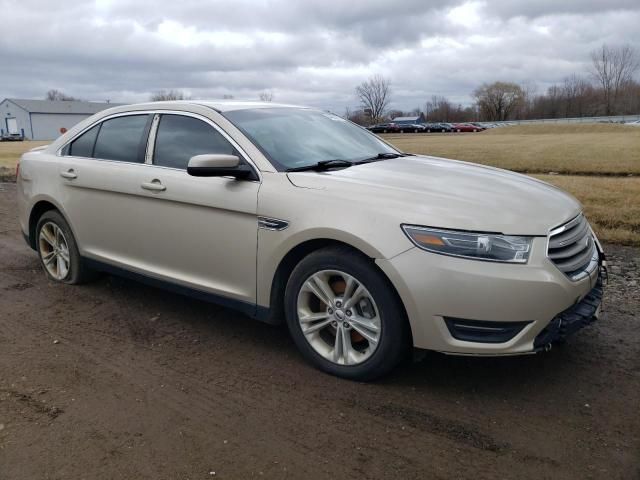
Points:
x=311 y=52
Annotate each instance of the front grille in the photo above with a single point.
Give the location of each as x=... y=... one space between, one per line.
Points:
x=572 y=248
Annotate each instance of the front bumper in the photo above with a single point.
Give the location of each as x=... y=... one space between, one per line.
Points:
x=571 y=320
x=524 y=299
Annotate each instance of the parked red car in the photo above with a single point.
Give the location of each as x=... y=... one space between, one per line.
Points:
x=465 y=127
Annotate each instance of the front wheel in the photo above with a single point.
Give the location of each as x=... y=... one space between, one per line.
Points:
x=344 y=315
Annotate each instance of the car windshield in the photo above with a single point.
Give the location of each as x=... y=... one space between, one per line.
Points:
x=297 y=137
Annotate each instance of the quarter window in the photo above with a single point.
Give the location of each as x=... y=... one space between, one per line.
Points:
x=123 y=139
x=180 y=137
x=83 y=145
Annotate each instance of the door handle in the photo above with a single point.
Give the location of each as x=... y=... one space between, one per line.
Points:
x=69 y=174
x=154 y=186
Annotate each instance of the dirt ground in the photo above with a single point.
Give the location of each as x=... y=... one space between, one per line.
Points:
x=116 y=380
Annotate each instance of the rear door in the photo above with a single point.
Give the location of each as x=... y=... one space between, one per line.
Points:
x=100 y=174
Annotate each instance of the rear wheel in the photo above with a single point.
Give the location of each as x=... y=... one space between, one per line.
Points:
x=343 y=315
x=58 y=250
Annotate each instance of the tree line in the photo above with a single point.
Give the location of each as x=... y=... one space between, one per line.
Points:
x=608 y=88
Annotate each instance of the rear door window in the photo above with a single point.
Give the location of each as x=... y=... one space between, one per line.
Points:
x=123 y=139
x=180 y=137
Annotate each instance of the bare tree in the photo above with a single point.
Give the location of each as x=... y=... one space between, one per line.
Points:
x=358 y=116
x=57 y=95
x=163 y=95
x=439 y=109
x=613 y=68
x=496 y=102
x=576 y=92
x=374 y=95
x=266 y=96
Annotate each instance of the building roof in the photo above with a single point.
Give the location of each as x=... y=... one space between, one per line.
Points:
x=62 y=106
x=407 y=119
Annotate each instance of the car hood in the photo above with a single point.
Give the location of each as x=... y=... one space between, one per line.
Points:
x=448 y=194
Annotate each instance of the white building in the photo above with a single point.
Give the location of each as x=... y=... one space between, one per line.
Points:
x=44 y=119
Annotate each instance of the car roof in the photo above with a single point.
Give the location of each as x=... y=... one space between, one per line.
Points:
x=221 y=105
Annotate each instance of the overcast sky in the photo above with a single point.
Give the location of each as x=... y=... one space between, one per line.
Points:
x=310 y=52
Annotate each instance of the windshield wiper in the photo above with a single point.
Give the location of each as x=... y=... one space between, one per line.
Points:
x=323 y=165
x=381 y=156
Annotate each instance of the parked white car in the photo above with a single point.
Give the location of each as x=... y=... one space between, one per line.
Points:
x=292 y=213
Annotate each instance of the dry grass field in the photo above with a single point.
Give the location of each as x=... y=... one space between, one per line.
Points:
x=594 y=160
x=572 y=149
x=612 y=204
x=11 y=151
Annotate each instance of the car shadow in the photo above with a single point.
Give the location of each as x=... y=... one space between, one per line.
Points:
x=433 y=371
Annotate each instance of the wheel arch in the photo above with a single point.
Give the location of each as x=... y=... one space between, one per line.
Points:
x=39 y=208
x=291 y=259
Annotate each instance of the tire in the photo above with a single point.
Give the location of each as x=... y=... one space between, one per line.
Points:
x=53 y=234
x=352 y=322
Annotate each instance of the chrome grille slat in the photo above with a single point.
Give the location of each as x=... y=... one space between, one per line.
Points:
x=569 y=236
x=574 y=263
x=568 y=225
x=558 y=254
x=572 y=249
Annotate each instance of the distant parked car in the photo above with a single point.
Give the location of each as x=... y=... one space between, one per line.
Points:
x=12 y=137
x=385 y=128
x=634 y=124
x=465 y=127
x=438 y=127
x=479 y=125
x=411 y=127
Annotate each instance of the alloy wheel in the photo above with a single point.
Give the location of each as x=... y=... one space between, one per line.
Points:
x=54 y=251
x=338 y=317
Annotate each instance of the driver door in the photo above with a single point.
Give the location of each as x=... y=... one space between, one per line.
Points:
x=199 y=232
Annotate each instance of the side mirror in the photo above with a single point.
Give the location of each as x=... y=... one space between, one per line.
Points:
x=218 y=165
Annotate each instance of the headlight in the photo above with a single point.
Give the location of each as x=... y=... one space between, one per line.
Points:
x=479 y=246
